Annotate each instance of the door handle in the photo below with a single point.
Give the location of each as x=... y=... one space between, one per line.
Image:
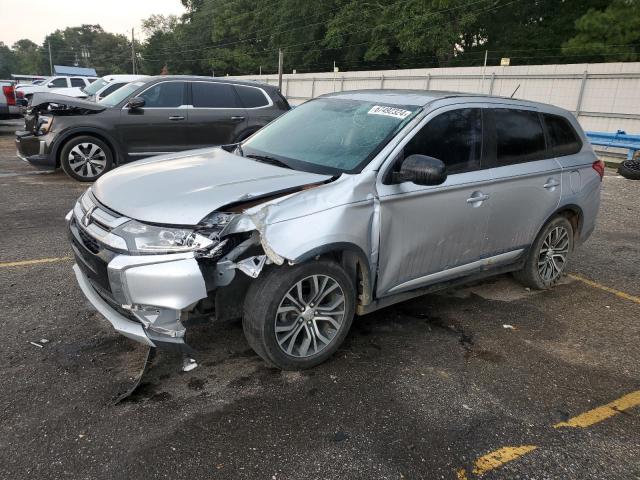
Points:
x=237 y=119
x=176 y=117
x=551 y=184
x=477 y=198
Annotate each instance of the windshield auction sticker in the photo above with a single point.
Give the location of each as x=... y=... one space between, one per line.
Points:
x=389 y=111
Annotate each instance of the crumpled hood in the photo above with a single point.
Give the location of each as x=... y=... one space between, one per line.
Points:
x=46 y=98
x=181 y=189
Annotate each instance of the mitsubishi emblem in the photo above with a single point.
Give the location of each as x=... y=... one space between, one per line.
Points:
x=86 y=219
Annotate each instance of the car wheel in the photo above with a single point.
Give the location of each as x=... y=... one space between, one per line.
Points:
x=296 y=317
x=631 y=168
x=549 y=255
x=86 y=158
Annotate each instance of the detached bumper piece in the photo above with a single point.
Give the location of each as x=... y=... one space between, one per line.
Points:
x=34 y=149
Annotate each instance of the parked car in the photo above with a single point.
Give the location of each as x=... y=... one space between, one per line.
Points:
x=101 y=88
x=24 y=92
x=144 y=118
x=8 y=106
x=349 y=203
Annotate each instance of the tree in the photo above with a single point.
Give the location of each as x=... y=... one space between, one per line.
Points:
x=28 y=57
x=7 y=61
x=611 y=34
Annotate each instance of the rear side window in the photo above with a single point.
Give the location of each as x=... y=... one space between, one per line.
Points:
x=252 y=97
x=455 y=137
x=77 y=82
x=519 y=136
x=214 y=95
x=164 y=95
x=563 y=138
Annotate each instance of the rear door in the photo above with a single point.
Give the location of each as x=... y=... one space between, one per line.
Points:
x=216 y=116
x=161 y=126
x=526 y=179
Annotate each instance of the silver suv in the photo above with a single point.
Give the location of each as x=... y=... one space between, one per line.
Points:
x=349 y=203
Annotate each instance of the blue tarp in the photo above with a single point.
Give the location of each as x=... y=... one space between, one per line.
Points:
x=78 y=71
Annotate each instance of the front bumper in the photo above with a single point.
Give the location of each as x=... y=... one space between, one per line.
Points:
x=120 y=323
x=144 y=297
x=35 y=150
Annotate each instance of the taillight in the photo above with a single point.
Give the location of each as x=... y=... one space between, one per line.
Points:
x=9 y=93
x=598 y=166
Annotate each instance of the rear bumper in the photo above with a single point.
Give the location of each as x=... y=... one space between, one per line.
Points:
x=35 y=150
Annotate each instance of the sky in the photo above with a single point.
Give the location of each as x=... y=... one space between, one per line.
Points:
x=34 y=19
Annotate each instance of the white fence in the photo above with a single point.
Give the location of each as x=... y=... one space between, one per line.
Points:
x=603 y=96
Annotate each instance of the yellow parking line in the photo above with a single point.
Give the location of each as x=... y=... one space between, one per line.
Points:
x=26 y=263
x=618 y=293
x=496 y=459
x=602 y=413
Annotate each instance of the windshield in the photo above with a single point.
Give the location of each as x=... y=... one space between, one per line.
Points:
x=330 y=135
x=120 y=94
x=93 y=88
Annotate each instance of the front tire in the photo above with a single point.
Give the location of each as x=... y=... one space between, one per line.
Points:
x=549 y=254
x=296 y=317
x=86 y=158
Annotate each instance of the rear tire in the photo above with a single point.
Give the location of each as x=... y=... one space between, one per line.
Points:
x=86 y=158
x=548 y=256
x=296 y=317
x=631 y=168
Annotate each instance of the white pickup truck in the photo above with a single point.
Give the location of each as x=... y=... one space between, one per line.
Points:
x=24 y=92
x=100 y=88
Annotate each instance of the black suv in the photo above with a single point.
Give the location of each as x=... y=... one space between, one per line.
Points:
x=144 y=118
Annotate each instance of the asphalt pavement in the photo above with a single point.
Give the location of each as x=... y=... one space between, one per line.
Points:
x=488 y=381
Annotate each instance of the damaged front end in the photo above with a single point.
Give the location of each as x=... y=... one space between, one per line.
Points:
x=151 y=281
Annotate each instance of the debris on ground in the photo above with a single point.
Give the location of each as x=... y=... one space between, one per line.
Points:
x=36 y=344
x=508 y=327
x=188 y=364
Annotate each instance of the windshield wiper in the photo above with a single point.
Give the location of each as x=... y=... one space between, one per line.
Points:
x=268 y=159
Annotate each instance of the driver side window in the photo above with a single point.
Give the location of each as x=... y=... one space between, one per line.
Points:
x=455 y=137
x=164 y=95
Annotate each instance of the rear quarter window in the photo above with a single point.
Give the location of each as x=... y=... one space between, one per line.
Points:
x=563 y=138
x=252 y=97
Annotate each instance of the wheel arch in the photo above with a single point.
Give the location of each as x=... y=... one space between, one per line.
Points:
x=354 y=261
x=93 y=132
x=574 y=214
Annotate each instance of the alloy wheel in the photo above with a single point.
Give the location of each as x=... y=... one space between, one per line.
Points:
x=552 y=257
x=87 y=160
x=309 y=316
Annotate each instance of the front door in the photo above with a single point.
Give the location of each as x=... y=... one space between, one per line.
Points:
x=434 y=233
x=161 y=126
x=216 y=116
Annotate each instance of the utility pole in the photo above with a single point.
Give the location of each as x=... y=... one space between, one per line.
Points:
x=50 y=60
x=280 y=63
x=486 y=52
x=133 y=52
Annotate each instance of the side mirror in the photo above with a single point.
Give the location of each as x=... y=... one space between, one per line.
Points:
x=135 y=102
x=50 y=85
x=421 y=170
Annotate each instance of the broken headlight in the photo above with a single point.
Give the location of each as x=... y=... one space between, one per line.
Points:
x=44 y=124
x=143 y=238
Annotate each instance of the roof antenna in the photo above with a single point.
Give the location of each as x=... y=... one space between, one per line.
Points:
x=514 y=92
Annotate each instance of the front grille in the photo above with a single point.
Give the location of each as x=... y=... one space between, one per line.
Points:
x=92 y=245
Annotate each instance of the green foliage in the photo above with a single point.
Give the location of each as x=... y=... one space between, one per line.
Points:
x=243 y=36
x=611 y=34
